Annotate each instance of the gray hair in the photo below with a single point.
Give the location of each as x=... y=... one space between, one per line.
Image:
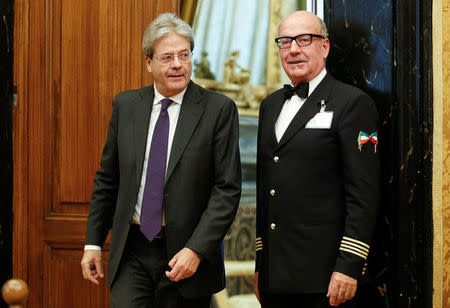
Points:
x=161 y=26
x=323 y=27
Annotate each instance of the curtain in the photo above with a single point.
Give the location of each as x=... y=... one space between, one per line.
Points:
x=221 y=27
x=188 y=8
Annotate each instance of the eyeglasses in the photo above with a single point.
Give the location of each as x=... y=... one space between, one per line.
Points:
x=183 y=57
x=303 y=40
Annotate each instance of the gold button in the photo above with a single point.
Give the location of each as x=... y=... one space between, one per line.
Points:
x=276 y=159
x=272 y=192
x=272 y=226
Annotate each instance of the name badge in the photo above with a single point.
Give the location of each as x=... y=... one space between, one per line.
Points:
x=321 y=120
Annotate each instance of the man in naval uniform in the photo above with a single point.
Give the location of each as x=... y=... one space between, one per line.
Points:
x=317 y=178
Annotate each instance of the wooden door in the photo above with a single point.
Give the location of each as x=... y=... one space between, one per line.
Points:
x=71 y=58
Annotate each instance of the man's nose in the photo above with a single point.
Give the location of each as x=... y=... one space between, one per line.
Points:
x=175 y=62
x=295 y=48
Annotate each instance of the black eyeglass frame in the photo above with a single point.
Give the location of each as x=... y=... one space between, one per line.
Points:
x=294 y=38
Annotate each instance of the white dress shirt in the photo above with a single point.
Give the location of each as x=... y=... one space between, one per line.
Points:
x=292 y=106
x=174 y=112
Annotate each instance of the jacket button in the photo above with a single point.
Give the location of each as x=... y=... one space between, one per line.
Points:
x=272 y=226
x=272 y=192
x=276 y=159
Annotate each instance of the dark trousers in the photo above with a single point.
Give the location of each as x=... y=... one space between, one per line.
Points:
x=300 y=301
x=141 y=281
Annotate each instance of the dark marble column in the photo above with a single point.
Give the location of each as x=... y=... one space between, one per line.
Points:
x=384 y=48
x=6 y=74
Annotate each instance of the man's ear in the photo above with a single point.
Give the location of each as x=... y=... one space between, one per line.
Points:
x=326 y=47
x=148 y=62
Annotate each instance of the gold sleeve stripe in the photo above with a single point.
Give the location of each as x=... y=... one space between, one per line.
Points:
x=353 y=252
x=363 y=251
x=355 y=249
x=259 y=244
x=355 y=245
x=356 y=241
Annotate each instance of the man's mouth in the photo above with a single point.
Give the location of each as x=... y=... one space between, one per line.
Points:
x=295 y=61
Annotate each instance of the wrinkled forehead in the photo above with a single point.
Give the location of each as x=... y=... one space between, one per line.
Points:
x=171 y=43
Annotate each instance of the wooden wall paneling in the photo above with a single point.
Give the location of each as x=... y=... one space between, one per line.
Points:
x=79 y=99
x=148 y=14
x=170 y=6
x=121 y=59
x=20 y=145
x=82 y=294
x=82 y=54
x=38 y=162
x=52 y=94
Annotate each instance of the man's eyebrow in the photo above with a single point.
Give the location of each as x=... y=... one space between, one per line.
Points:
x=170 y=53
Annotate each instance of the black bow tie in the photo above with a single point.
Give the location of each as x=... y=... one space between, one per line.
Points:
x=301 y=90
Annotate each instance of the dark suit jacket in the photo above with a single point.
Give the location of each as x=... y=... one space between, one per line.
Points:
x=203 y=180
x=324 y=190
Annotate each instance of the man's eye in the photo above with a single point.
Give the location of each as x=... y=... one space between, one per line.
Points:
x=166 y=58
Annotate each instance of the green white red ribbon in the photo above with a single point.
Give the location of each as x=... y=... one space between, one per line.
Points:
x=363 y=138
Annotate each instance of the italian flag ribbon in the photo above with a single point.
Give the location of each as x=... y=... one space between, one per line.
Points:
x=363 y=138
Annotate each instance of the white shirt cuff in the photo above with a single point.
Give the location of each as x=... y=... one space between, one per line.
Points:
x=92 y=247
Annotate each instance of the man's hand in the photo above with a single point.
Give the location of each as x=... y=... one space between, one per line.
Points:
x=91 y=265
x=184 y=264
x=341 y=288
x=255 y=286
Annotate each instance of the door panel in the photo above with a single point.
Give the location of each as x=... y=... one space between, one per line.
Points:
x=72 y=57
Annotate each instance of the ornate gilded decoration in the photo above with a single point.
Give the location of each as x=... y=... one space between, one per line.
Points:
x=273 y=60
x=202 y=67
x=240 y=246
x=236 y=84
x=231 y=77
x=441 y=154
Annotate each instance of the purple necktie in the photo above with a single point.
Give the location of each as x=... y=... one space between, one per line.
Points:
x=152 y=201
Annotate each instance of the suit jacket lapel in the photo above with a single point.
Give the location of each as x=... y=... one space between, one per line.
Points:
x=142 y=111
x=190 y=113
x=309 y=109
x=277 y=105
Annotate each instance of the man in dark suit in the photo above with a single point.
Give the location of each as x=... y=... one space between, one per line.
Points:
x=169 y=183
x=317 y=178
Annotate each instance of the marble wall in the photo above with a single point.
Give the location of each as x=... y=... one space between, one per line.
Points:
x=384 y=47
x=362 y=54
x=446 y=150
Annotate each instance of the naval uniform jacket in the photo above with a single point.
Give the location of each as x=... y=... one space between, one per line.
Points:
x=203 y=181
x=317 y=190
